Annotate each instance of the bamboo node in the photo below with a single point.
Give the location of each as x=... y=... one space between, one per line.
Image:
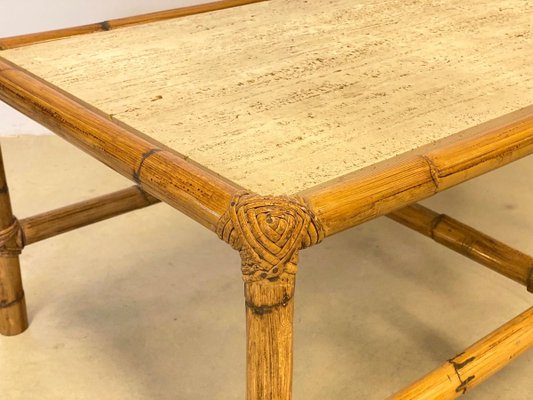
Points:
x=137 y=172
x=457 y=366
x=267 y=309
x=268 y=231
x=105 y=25
x=464 y=385
x=11 y=240
x=434 y=172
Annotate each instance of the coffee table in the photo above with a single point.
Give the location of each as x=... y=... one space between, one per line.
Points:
x=277 y=124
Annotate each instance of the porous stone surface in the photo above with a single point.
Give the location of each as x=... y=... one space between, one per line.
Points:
x=283 y=95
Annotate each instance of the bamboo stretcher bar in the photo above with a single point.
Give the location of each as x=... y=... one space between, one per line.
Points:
x=469 y=242
x=24 y=40
x=55 y=222
x=195 y=191
x=475 y=364
x=387 y=186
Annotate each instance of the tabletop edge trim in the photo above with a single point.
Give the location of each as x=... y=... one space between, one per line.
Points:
x=13 y=42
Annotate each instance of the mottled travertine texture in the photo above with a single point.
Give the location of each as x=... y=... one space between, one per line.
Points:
x=283 y=95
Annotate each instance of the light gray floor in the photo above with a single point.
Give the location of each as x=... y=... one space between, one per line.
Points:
x=149 y=305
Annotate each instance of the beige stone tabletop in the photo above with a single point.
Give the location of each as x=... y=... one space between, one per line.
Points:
x=282 y=95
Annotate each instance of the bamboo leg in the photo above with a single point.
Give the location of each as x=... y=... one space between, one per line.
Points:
x=269 y=327
x=268 y=232
x=13 y=317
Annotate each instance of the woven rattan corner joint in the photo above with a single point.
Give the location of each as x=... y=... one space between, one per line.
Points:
x=268 y=231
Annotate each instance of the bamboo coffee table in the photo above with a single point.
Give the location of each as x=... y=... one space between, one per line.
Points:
x=277 y=124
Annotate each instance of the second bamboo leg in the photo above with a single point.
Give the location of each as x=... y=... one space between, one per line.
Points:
x=13 y=317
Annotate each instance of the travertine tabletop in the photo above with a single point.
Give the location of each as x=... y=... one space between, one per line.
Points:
x=282 y=95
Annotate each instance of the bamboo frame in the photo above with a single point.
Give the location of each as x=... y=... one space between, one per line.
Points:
x=469 y=242
x=166 y=175
x=204 y=196
x=475 y=364
x=269 y=253
x=387 y=186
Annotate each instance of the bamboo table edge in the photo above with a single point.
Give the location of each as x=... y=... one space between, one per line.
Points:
x=377 y=190
x=12 y=42
x=196 y=191
x=419 y=172
x=205 y=196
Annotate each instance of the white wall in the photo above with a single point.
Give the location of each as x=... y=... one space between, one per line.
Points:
x=27 y=16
